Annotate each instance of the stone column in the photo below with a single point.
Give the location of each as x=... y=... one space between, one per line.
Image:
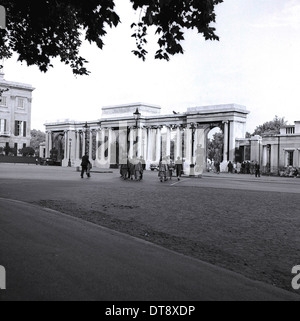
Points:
x=150 y=148
x=145 y=143
x=225 y=155
x=84 y=133
x=188 y=144
x=91 y=145
x=97 y=144
x=66 y=135
x=158 y=144
x=77 y=155
x=131 y=142
x=47 y=145
x=200 y=151
x=168 y=138
x=102 y=147
x=50 y=141
x=178 y=147
x=112 y=150
x=231 y=132
x=140 y=142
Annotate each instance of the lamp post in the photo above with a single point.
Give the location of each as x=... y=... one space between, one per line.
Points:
x=137 y=116
x=70 y=145
x=192 y=166
x=86 y=127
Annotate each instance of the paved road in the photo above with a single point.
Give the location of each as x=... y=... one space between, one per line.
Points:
x=50 y=256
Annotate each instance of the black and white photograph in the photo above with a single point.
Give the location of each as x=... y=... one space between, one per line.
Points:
x=149 y=153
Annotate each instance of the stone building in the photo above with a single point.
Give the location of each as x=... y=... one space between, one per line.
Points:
x=275 y=152
x=15 y=114
x=139 y=130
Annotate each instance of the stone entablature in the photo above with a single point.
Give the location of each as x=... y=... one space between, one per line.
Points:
x=128 y=110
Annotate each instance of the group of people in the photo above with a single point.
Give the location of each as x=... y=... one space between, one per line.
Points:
x=166 y=169
x=246 y=167
x=133 y=168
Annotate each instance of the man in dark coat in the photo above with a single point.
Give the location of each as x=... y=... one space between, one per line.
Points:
x=85 y=162
x=257 y=170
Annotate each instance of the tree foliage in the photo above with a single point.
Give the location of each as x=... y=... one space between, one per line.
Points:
x=38 y=30
x=37 y=137
x=27 y=151
x=215 y=147
x=270 y=127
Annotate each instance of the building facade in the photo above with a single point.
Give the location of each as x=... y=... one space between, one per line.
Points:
x=139 y=130
x=15 y=115
x=275 y=152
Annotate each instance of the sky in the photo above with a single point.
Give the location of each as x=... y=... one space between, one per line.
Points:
x=255 y=64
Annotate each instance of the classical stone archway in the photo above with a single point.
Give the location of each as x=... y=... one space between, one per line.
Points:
x=153 y=135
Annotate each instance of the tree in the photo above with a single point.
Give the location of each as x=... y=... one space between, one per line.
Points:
x=37 y=137
x=27 y=151
x=270 y=127
x=215 y=147
x=38 y=30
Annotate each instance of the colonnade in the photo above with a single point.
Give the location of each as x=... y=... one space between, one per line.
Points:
x=110 y=146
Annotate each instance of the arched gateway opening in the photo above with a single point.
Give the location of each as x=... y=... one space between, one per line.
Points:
x=120 y=134
x=214 y=148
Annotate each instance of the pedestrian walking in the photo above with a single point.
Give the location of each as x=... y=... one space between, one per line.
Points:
x=85 y=166
x=143 y=162
x=170 y=169
x=124 y=168
x=138 y=170
x=178 y=168
x=257 y=170
x=163 y=168
x=131 y=168
x=217 y=166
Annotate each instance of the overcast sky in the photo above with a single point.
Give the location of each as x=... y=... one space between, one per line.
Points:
x=256 y=64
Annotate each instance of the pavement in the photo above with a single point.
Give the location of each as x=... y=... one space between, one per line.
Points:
x=51 y=256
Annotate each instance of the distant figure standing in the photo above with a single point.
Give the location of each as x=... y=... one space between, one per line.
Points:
x=217 y=166
x=252 y=168
x=124 y=168
x=178 y=168
x=85 y=164
x=238 y=167
x=230 y=167
x=257 y=170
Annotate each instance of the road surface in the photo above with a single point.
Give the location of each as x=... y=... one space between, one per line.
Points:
x=50 y=256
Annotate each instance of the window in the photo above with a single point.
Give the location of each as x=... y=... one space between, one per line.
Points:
x=21 y=103
x=290 y=158
x=3 y=125
x=290 y=130
x=2 y=101
x=20 y=128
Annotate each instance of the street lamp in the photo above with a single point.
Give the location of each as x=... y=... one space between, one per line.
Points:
x=70 y=145
x=86 y=132
x=137 y=116
x=192 y=166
